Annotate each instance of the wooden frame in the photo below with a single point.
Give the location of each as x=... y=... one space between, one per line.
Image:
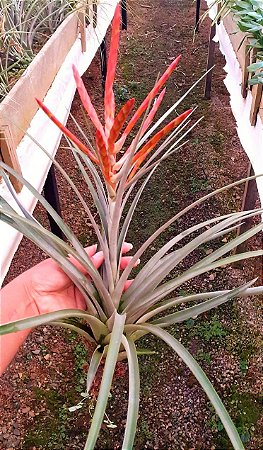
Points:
x=245 y=57
x=19 y=107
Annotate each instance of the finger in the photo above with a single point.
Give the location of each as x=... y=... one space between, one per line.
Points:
x=91 y=250
x=126 y=247
x=98 y=259
x=127 y=284
x=125 y=261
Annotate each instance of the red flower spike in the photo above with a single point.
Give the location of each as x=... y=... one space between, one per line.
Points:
x=147 y=122
x=67 y=133
x=104 y=157
x=153 y=111
x=147 y=148
x=149 y=97
x=109 y=101
x=86 y=102
x=119 y=121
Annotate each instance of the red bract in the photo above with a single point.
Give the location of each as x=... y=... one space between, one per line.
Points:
x=108 y=140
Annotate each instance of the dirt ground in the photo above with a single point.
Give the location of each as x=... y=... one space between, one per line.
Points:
x=48 y=374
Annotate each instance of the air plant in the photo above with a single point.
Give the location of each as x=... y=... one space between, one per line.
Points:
x=116 y=319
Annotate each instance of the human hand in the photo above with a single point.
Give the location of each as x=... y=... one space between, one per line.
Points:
x=52 y=290
x=43 y=289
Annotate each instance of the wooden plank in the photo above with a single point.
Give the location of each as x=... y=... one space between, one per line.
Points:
x=82 y=24
x=8 y=155
x=239 y=45
x=256 y=100
x=19 y=106
x=249 y=201
x=237 y=39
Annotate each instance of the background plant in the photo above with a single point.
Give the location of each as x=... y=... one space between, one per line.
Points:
x=25 y=25
x=248 y=15
x=116 y=172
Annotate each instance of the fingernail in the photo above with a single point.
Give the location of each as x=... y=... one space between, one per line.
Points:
x=137 y=262
x=129 y=246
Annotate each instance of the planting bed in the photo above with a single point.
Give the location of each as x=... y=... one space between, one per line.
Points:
x=48 y=374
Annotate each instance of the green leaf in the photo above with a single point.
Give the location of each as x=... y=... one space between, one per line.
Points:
x=167 y=304
x=110 y=363
x=255 y=66
x=135 y=296
x=120 y=285
x=93 y=367
x=166 y=288
x=196 y=310
x=30 y=322
x=200 y=376
x=134 y=393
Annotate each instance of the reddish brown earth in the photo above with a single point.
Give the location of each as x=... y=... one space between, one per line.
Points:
x=48 y=374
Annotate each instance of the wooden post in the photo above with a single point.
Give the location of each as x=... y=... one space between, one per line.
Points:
x=248 y=203
x=210 y=62
x=9 y=157
x=256 y=99
x=51 y=195
x=197 y=15
x=82 y=24
x=123 y=15
x=245 y=73
x=103 y=62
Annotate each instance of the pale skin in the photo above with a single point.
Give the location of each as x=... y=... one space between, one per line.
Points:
x=42 y=289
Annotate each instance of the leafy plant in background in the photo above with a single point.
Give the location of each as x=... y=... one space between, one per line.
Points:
x=25 y=25
x=115 y=320
x=249 y=17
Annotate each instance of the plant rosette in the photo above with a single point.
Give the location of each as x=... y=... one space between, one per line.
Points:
x=115 y=319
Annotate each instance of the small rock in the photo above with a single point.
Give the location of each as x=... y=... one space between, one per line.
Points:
x=25 y=410
x=36 y=352
x=212 y=276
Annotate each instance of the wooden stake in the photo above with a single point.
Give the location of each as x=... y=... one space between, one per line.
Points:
x=82 y=24
x=9 y=157
x=245 y=73
x=256 y=99
x=210 y=62
x=248 y=203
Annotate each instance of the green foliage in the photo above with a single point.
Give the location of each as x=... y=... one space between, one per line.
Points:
x=247 y=412
x=24 y=28
x=211 y=330
x=80 y=353
x=203 y=356
x=50 y=434
x=249 y=17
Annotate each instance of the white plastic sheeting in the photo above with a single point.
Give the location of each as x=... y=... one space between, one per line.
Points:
x=34 y=163
x=251 y=137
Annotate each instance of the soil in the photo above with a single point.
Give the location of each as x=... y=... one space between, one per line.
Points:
x=48 y=374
